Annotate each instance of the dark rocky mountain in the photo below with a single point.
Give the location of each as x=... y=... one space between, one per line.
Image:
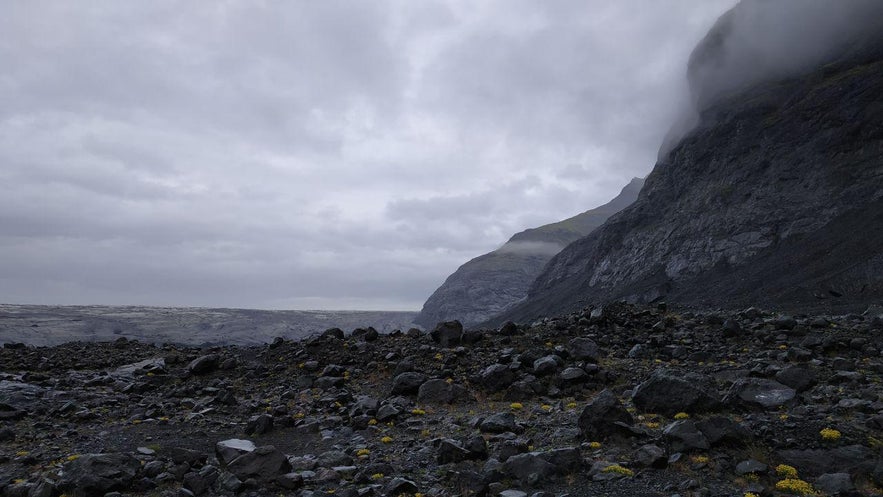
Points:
x=775 y=198
x=496 y=281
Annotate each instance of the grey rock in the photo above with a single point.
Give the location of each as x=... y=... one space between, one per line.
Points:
x=333 y=458
x=264 y=463
x=669 y=392
x=797 y=377
x=195 y=483
x=751 y=466
x=759 y=393
x=204 y=364
x=834 y=483
x=448 y=333
x=450 y=451
x=574 y=375
x=684 y=435
x=496 y=377
x=6 y=434
x=258 y=425
x=230 y=449
x=651 y=456
x=815 y=462
x=98 y=474
x=583 y=349
x=407 y=383
x=599 y=418
x=180 y=455
x=546 y=365
x=43 y=488
x=399 y=486
x=387 y=412
x=499 y=423
x=290 y=481
x=230 y=482
x=565 y=459
x=512 y=493
x=530 y=468
x=439 y=391
x=721 y=430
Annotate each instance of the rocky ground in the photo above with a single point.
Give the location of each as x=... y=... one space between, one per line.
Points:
x=618 y=401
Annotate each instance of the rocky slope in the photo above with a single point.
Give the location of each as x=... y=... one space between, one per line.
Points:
x=774 y=199
x=614 y=401
x=496 y=281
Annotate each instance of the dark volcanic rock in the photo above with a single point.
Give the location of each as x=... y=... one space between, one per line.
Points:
x=263 y=463
x=204 y=364
x=98 y=474
x=439 y=391
x=602 y=417
x=669 y=392
x=448 y=333
x=758 y=393
x=815 y=462
x=684 y=435
x=497 y=377
x=407 y=383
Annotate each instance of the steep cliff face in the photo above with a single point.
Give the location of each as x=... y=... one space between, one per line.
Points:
x=496 y=281
x=775 y=199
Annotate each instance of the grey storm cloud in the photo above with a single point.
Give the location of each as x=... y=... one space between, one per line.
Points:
x=315 y=154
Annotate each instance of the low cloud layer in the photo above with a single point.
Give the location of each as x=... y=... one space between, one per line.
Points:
x=762 y=40
x=317 y=154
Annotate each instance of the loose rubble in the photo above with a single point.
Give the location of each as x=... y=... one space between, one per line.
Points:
x=618 y=400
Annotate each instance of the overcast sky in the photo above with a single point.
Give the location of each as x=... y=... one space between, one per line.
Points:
x=314 y=154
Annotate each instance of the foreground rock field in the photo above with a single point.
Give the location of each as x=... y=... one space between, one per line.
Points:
x=616 y=401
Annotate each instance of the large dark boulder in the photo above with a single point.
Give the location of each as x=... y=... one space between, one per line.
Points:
x=97 y=474
x=448 y=333
x=759 y=393
x=603 y=416
x=668 y=392
x=264 y=463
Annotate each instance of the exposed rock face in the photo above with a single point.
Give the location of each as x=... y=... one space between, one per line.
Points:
x=494 y=282
x=775 y=199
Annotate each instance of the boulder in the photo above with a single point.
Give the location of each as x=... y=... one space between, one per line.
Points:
x=668 y=392
x=204 y=364
x=530 y=468
x=407 y=383
x=439 y=391
x=684 y=435
x=496 y=377
x=98 y=474
x=603 y=416
x=264 y=463
x=835 y=483
x=499 y=423
x=797 y=377
x=448 y=333
x=583 y=349
x=759 y=393
x=227 y=450
x=651 y=456
x=816 y=462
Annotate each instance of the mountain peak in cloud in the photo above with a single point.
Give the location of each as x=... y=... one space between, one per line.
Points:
x=763 y=40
